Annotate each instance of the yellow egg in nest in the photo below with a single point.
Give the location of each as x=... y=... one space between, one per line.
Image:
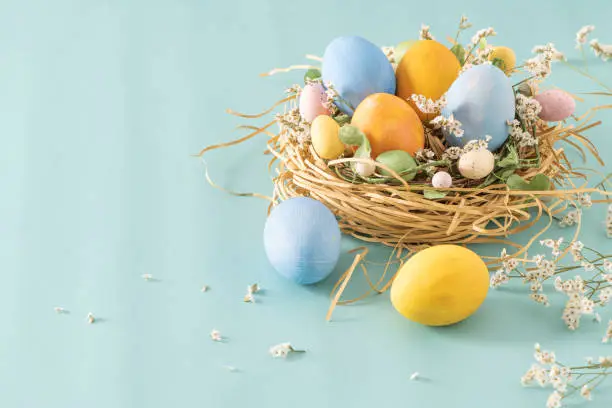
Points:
x=440 y=285
x=427 y=68
x=324 y=134
x=506 y=56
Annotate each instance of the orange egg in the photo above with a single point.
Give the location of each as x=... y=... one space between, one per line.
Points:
x=389 y=123
x=428 y=68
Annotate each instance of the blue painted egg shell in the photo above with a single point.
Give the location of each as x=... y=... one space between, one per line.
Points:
x=356 y=68
x=302 y=240
x=483 y=101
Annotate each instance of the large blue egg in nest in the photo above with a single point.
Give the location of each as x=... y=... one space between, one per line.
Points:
x=356 y=68
x=302 y=240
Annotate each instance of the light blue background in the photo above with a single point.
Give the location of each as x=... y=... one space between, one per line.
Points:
x=101 y=104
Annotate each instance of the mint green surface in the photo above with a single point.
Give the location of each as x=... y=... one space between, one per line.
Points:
x=101 y=105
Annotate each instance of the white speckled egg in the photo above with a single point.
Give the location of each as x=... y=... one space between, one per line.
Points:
x=311 y=102
x=556 y=104
x=365 y=169
x=476 y=164
x=442 y=180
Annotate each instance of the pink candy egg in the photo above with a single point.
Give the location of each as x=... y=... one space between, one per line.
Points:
x=311 y=102
x=556 y=105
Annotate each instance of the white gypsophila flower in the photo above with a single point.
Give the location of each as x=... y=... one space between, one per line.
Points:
x=549 y=51
x=582 y=34
x=554 y=400
x=254 y=288
x=427 y=105
x=389 y=53
x=603 y=51
x=524 y=138
x=605 y=361
x=540 y=298
x=499 y=278
x=555 y=246
x=528 y=377
x=605 y=295
x=294 y=89
x=585 y=200
x=478 y=144
x=588 y=266
x=449 y=124
x=282 y=350
x=91 y=319
x=528 y=109
x=331 y=96
x=215 y=335
x=293 y=126
x=608 y=336
x=607 y=265
x=571 y=218
x=425 y=34
x=585 y=392
x=452 y=153
x=464 y=24
x=480 y=34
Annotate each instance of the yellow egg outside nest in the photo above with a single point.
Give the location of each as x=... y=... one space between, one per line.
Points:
x=440 y=285
x=506 y=56
x=427 y=68
x=324 y=134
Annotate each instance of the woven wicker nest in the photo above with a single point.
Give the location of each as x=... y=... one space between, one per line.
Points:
x=396 y=213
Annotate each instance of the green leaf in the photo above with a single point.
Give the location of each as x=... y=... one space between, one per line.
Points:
x=399 y=161
x=312 y=74
x=434 y=194
x=483 y=43
x=352 y=136
x=499 y=63
x=459 y=52
x=539 y=182
x=505 y=173
x=342 y=119
x=511 y=159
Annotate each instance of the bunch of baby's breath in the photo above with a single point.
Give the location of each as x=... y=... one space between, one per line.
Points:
x=565 y=380
x=586 y=292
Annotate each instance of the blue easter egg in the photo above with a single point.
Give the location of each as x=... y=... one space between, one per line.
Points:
x=483 y=101
x=302 y=240
x=356 y=68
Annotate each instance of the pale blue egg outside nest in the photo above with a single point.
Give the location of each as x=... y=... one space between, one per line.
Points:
x=302 y=240
x=483 y=100
x=356 y=68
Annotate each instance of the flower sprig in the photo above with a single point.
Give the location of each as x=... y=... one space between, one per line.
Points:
x=584 y=294
x=566 y=380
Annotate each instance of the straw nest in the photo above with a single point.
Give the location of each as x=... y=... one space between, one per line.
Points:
x=397 y=214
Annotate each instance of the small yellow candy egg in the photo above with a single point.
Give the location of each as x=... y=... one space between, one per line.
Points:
x=507 y=56
x=476 y=164
x=324 y=136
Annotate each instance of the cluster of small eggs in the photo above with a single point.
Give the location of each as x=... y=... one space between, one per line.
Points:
x=376 y=94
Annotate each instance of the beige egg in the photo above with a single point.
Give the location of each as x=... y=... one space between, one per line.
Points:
x=324 y=133
x=476 y=164
x=365 y=169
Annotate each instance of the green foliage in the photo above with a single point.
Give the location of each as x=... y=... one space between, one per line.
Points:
x=459 y=52
x=399 y=161
x=311 y=75
x=434 y=194
x=539 y=182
